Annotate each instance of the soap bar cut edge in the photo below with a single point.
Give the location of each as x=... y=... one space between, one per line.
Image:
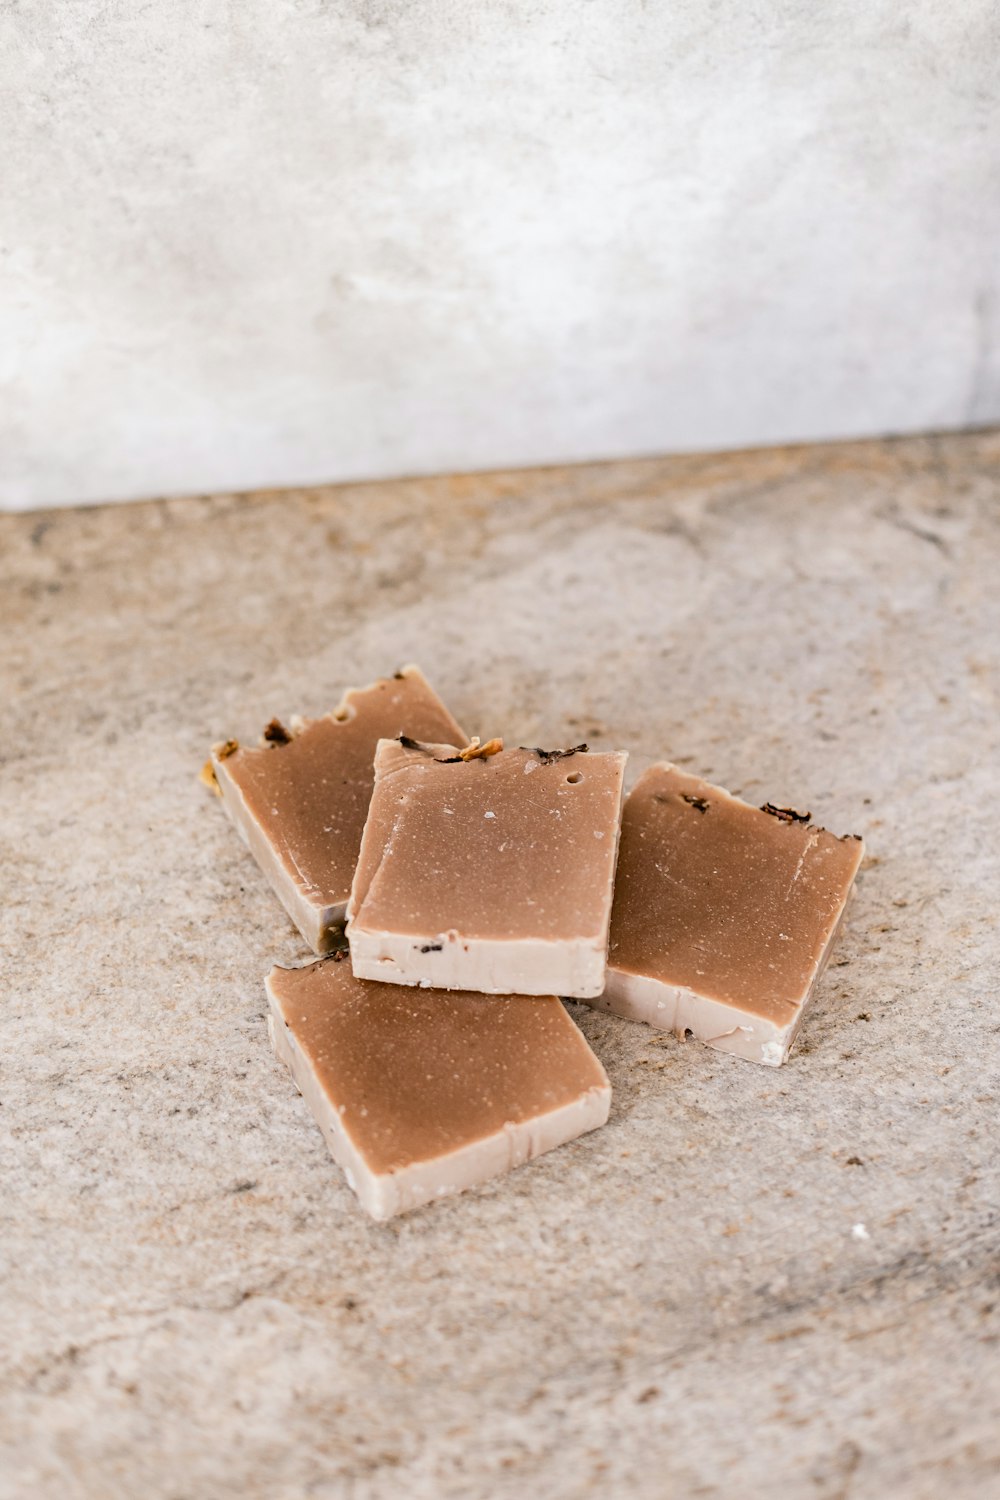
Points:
x=515 y=966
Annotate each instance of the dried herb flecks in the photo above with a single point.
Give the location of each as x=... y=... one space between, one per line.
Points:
x=547 y=757
x=223 y=752
x=473 y=751
x=701 y=803
x=431 y=947
x=275 y=733
x=785 y=814
x=207 y=778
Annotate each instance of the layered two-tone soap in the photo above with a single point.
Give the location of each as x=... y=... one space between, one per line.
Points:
x=724 y=914
x=487 y=872
x=422 y=1093
x=300 y=799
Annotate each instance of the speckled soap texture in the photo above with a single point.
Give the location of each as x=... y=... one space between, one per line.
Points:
x=747 y=1280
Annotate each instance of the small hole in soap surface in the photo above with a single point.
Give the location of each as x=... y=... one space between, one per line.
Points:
x=574 y=777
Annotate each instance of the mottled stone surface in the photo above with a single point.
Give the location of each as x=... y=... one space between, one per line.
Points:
x=683 y=1303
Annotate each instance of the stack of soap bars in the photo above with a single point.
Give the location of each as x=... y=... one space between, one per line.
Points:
x=454 y=889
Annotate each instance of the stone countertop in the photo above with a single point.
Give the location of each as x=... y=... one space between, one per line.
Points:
x=752 y=1281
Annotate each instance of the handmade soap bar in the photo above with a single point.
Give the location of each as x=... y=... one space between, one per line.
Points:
x=724 y=914
x=299 y=801
x=492 y=873
x=421 y=1093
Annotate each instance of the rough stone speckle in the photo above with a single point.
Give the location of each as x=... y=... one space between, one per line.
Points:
x=680 y=1303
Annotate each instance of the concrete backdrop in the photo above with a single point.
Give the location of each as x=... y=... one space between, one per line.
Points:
x=279 y=241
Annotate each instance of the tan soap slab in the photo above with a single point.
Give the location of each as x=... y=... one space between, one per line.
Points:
x=492 y=874
x=300 y=800
x=724 y=914
x=420 y=1093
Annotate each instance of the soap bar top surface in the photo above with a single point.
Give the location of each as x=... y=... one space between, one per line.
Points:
x=493 y=874
x=510 y=847
x=422 y=1093
x=733 y=902
x=308 y=795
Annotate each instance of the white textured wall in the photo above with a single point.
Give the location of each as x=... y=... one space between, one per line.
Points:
x=269 y=241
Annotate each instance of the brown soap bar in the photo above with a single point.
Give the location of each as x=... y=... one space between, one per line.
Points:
x=724 y=914
x=421 y=1093
x=492 y=874
x=300 y=800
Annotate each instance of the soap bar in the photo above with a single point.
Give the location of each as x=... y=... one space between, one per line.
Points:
x=300 y=799
x=493 y=873
x=724 y=914
x=421 y=1093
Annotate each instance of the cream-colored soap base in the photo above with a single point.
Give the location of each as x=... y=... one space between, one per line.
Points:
x=639 y=998
x=319 y=924
x=387 y=1194
x=449 y=962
